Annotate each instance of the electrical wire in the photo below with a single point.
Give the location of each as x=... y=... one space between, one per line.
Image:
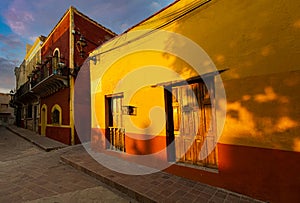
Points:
x=181 y=13
x=172 y=14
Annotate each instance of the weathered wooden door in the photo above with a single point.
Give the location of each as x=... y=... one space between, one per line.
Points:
x=194 y=125
x=43 y=120
x=115 y=132
x=35 y=118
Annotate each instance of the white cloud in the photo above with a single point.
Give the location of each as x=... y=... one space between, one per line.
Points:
x=18 y=20
x=155 y=6
x=29 y=19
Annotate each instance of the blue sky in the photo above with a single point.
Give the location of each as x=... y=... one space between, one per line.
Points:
x=21 y=21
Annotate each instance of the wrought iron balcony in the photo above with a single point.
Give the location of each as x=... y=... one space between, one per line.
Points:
x=23 y=94
x=43 y=81
x=47 y=81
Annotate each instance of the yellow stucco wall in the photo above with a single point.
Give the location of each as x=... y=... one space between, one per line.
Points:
x=257 y=42
x=33 y=56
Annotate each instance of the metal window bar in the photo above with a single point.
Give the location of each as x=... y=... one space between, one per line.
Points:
x=117 y=139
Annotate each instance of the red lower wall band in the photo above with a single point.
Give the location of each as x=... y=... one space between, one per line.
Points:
x=266 y=174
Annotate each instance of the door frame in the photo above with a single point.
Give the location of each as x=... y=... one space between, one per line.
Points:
x=170 y=135
x=110 y=144
x=43 y=119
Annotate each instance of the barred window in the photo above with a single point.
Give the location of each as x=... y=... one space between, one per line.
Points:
x=56 y=115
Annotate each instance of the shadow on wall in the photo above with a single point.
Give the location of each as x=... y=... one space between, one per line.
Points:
x=261 y=58
x=263 y=111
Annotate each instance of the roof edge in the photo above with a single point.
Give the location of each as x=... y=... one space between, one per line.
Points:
x=151 y=16
x=93 y=21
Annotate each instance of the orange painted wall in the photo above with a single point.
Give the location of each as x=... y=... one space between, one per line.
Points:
x=146 y=145
x=256 y=43
x=266 y=174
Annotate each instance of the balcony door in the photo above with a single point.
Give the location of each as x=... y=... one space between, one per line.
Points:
x=115 y=132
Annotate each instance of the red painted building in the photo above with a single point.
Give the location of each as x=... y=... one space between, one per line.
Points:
x=53 y=78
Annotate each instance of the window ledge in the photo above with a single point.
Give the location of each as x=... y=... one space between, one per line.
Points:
x=202 y=168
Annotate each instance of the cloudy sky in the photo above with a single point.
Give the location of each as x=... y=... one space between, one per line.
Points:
x=21 y=21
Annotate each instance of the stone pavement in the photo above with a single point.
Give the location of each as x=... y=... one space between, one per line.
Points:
x=94 y=194
x=155 y=187
x=28 y=173
x=43 y=142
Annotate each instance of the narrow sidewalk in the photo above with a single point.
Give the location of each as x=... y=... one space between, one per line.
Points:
x=155 y=187
x=43 y=142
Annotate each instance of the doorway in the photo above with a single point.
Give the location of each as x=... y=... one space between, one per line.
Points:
x=115 y=131
x=191 y=122
x=43 y=120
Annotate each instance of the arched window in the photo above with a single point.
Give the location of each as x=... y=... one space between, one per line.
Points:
x=55 y=61
x=56 y=115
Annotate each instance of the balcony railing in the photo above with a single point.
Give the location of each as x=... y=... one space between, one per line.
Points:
x=23 y=89
x=41 y=74
x=23 y=95
x=41 y=82
x=116 y=138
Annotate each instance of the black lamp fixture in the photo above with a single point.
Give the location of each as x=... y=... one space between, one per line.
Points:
x=80 y=44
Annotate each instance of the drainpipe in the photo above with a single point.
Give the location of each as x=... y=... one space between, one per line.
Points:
x=71 y=78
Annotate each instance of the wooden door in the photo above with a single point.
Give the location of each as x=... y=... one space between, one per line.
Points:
x=43 y=121
x=194 y=126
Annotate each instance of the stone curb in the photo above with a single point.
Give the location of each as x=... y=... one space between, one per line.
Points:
x=77 y=158
x=131 y=193
x=35 y=142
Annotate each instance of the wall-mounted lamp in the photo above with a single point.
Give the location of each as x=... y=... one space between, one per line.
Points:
x=129 y=110
x=80 y=44
x=95 y=59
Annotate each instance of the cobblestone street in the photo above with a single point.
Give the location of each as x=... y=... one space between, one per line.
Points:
x=29 y=174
